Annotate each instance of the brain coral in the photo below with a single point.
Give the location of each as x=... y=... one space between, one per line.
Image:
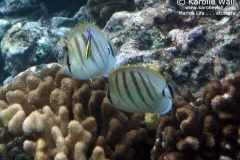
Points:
x=47 y=115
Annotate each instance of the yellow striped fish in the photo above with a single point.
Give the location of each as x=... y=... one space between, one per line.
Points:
x=138 y=89
x=88 y=54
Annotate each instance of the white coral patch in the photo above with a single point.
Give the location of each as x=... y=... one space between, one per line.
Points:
x=226 y=96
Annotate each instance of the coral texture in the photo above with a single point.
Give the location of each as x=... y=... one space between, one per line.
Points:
x=105 y=9
x=48 y=115
x=205 y=128
x=19 y=52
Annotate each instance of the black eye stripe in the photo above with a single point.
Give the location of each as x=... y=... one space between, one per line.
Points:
x=68 y=64
x=171 y=91
x=108 y=95
x=66 y=48
x=110 y=49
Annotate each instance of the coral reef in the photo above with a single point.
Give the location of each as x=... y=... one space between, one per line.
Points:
x=191 y=49
x=46 y=115
x=203 y=128
x=53 y=116
x=30 y=30
x=24 y=45
x=105 y=9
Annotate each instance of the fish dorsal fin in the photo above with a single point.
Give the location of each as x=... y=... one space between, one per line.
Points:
x=77 y=28
x=143 y=68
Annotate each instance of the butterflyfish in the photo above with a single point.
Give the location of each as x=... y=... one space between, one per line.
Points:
x=138 y=89
x=88 y=54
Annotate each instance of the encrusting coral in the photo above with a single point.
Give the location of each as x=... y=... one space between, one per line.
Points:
x=48 y=115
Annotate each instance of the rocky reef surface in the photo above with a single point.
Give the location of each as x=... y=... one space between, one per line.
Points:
x=200 y=53
x=189 y=49
x=192 y=50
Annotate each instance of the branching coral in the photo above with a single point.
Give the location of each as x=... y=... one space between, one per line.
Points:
x=203 y=128
x=57 y=117
x=48 y=115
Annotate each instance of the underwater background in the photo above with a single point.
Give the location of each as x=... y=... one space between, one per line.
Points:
x=47 y=115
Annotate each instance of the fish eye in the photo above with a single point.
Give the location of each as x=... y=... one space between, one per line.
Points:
x=110 y=49
x=68 y=64
x=65 y=48
x=163 y=93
